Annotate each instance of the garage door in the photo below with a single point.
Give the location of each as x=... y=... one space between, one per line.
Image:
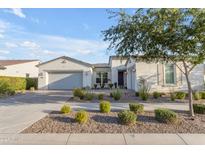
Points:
x=62 y=80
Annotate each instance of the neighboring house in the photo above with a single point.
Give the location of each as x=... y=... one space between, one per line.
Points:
x=68 y=73
x=19 y=68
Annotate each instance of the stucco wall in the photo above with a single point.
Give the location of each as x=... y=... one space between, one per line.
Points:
x=63 y=65
x=20 y=70
x=154 y=74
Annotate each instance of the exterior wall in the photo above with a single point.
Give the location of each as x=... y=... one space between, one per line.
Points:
x=58 y=65
x=100 y=69
x=20 y=70
x=154 y=74
x=116 y=64
x=132 y=76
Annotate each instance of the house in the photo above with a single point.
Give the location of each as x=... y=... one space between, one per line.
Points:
x=68 y=73
x=19 y=68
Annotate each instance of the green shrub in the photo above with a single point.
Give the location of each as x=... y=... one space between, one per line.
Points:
x=117 y=94
x=136 y=108
x=105 y=106
x=202 y=94
x=32 y=88
x=95 y=86
x=100 y=96
x=180 y=95
x=144 y=89
x=137 y=94
x=166 y=116
x=199 y=108
x=31 y=82
x=65 y=109
x=81 y=117
x=172 y=96
x=110 y=85
x=156 y=94
x=80 y=93
x=89 y=96
x=144 y=95
x=111 y=94
x=13 y=83
x=197 y=95
x=127 y=117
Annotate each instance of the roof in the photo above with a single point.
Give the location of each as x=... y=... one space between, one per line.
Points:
x=14 y=62
x=101 y=65
x=67 y=58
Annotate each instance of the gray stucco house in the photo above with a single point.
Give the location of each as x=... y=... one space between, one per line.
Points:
x=68 y=73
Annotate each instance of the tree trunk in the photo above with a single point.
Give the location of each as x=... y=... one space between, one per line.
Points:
x=189 y=90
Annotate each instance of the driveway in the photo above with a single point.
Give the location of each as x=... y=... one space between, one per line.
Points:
x=19 y=112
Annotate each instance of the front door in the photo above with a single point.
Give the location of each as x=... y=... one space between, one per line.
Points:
x=121 y=79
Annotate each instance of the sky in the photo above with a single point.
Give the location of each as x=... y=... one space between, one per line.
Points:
x=45 y=34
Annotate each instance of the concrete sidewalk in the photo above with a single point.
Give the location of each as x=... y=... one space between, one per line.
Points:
x=103 y=139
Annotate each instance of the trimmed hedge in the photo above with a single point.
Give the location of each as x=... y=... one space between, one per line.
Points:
x=13 y=83
x=199 y=108
x=78 y=92
x=165 y=116
x=136 y=108
x=105 y=106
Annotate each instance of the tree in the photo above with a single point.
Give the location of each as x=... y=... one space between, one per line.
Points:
x=156 y=35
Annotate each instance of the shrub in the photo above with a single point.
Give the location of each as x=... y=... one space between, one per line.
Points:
x=111 y=94
x=100 y=96
x=32 y=88
x=31 y=82
x=65 y=109
x=81 y=117
x=110 y=85
x=127 y=117
x=79 y=93
x=117 y=94
x=89 y=96
x=143 y=89
x=102 y=86
x=14 y=83
x=202 y=95
x=156 y=94
x=166 y=116
x=199 y=108
x=180 y=95
x=105 y=106
x=172 y=96
x=137 y=94
x=197 y=95
x=95 y=86
x=136 y=108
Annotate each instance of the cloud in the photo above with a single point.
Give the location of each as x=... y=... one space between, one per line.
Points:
x=17 y=11
x=3 y=27
x=30 y=45
x=4 y=52
x=11 y=45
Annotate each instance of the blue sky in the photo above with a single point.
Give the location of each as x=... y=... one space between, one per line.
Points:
x=49 y=33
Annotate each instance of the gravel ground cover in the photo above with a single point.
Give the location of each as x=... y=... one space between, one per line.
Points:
x=56 y=122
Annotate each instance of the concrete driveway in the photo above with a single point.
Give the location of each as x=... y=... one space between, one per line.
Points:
x=19 y=112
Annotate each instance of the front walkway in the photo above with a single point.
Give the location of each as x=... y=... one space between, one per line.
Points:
x=106 y=139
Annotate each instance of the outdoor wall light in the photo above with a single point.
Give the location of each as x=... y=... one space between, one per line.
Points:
x=134 y=70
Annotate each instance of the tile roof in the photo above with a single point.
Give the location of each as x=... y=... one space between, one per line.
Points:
x=13 y=62
x=101 y=65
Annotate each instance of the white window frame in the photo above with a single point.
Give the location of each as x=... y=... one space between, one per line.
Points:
x=170 y=84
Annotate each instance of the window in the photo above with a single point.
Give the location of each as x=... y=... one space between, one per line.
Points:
x=169 y=74
x=102 y=77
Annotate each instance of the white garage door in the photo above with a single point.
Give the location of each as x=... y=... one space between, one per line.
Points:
x=65 y=80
